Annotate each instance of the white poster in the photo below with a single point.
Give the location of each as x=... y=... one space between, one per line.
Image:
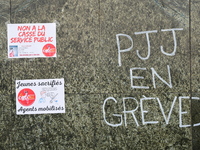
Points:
x=31 y=40
x=42 y=96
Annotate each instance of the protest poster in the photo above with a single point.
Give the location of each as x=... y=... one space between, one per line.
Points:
x=41 y=96
x=31 y=40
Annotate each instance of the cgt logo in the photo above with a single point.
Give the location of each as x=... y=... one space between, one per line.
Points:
x=26 y=97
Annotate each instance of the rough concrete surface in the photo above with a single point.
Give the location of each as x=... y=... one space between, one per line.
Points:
x=87 y=59
x=195 y=61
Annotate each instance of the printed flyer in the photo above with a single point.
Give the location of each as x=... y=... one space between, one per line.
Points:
x=41 y=96
x=31 y=40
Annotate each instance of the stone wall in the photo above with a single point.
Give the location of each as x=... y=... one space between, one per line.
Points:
x=97 y=82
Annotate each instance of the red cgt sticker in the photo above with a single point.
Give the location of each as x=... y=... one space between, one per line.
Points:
x=49 y=50
x=26 y=97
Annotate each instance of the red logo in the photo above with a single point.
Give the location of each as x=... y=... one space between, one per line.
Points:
x=26 y=97
x=49 y=50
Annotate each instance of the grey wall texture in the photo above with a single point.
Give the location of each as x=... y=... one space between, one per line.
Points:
x=98 y=113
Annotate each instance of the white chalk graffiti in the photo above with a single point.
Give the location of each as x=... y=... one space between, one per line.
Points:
x=123 y=118
x=148 y=43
